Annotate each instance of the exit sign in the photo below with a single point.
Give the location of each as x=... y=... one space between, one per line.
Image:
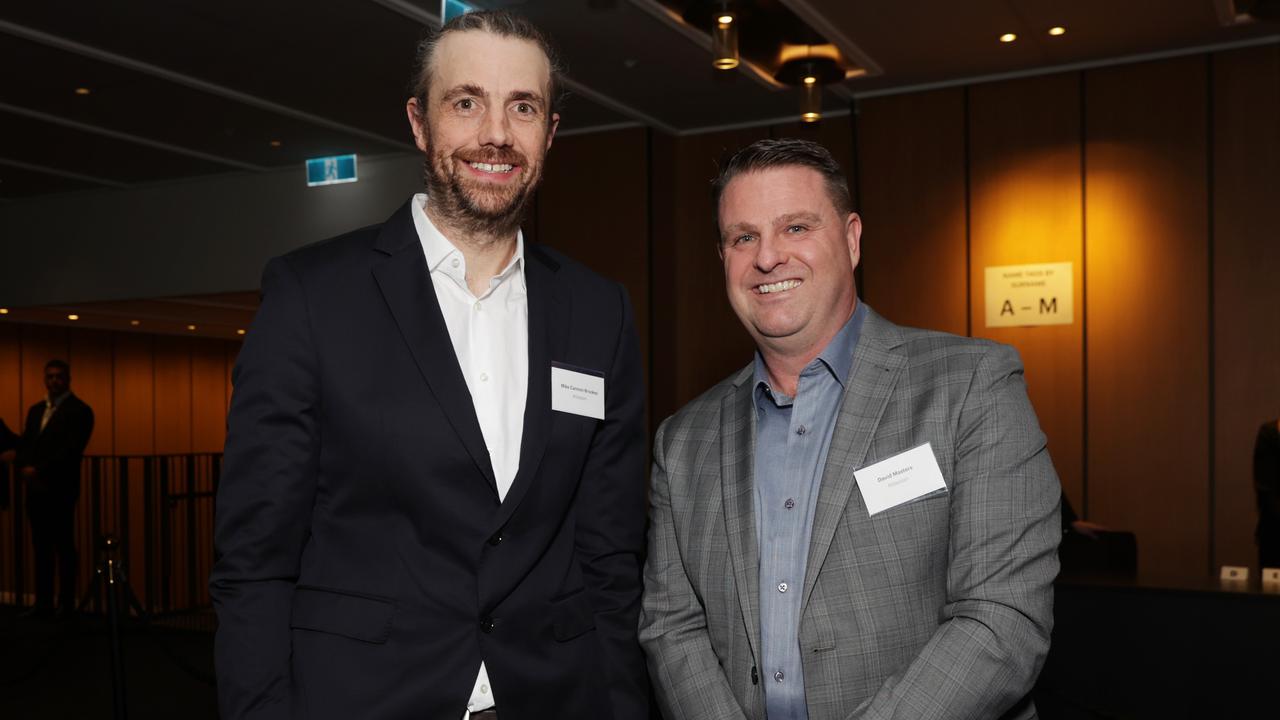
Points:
x=331 y=170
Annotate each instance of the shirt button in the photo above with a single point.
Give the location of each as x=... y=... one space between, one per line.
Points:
x=456 y=262
x=484 y=377
x=484 y=689
x=778 y=676
x=477 y=306
x=782 y=587
x=789 y=504
x=801 y=430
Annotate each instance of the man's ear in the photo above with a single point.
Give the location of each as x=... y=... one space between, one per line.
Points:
x=417 y=122
x=551 y=128
x=853 y=236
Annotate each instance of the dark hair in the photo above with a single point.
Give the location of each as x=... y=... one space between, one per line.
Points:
x=498 y=22
x=60 y=364
x=786 y=152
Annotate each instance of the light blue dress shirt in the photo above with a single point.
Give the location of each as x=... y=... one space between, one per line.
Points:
x=792 y=439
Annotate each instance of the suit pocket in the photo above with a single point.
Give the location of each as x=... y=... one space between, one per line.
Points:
x=571 y=616
x=360 y=617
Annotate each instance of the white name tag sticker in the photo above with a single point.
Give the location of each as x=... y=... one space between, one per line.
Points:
x=903 y=477
x=578 y=391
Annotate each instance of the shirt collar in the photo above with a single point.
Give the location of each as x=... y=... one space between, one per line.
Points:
x=56 y=401
x=438 y=248
x=836 y=357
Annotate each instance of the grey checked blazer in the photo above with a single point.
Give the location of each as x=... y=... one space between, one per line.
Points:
x=938 y=608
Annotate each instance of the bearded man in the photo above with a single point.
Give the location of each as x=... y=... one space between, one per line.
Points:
x=432 y=502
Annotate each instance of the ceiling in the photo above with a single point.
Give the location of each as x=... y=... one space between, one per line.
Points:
x=224 y=315
x=184 y=88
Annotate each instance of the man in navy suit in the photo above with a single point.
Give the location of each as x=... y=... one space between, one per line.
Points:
x=432 y=500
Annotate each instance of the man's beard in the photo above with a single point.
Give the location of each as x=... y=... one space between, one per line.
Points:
x=475 y=208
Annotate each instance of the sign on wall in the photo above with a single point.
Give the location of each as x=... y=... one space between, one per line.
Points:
x=1024 y=295
x=331 y=170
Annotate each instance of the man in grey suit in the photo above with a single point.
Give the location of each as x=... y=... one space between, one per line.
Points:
x=862 y=523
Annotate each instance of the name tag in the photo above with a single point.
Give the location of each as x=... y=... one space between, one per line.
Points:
x=903 y=477
x=578 y=391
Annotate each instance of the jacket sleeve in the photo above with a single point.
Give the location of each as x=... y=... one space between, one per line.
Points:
x=688 y=681
x=609 y=524
x=265 y=500
x=1005 y=528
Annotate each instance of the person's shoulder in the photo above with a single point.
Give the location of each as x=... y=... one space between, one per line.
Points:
x=702 y=414
x=582 y=278
x=922 y=347
x=349 y=249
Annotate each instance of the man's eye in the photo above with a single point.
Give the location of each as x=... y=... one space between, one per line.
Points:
x=524 y=108
x=741 y=239
x=796 y=229
x=466 y=104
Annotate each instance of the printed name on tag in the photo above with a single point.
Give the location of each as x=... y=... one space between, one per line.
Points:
x=577 y=390
x=903 y=477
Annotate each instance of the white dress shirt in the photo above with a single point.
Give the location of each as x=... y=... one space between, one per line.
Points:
x=490 y=335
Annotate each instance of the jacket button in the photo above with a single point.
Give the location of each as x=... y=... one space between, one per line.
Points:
x=486 y=625
x=496 y=539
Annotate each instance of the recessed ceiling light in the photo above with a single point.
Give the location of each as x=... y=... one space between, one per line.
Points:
x=82 y=91
x=191 y=327
x=4 y=311
x=276 y=143
x=1057 y=30
x=809 y=80
x=725 y=19
x=135 y=323
x=1008 y=38
x=240 y=331
x=73 y=316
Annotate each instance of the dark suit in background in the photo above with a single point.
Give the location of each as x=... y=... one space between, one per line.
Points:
x=1266 y=482
x=54 y=453
x=367 y=565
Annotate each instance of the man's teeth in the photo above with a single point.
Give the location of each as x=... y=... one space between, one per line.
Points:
x=490 y=168
x=777 y=287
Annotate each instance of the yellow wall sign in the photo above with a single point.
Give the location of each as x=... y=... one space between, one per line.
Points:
x=1023 y=295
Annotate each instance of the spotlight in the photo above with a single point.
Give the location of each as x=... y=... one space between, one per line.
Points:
x=724 y=42
x=1008 y=38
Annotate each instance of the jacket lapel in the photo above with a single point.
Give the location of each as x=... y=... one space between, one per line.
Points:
x=875 y=371
x=549 y=320
x=406 y=286
x=737 y=466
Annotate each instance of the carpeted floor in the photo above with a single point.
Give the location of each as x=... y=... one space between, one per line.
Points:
x=51 y=671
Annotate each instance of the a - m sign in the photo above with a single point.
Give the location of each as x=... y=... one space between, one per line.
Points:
x=1023 y=295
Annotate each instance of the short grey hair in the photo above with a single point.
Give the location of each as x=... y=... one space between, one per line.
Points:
x=786 y=152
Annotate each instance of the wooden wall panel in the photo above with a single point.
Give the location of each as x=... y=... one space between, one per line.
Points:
x=173 y=395
x=208 y=395
x=11 y=410
x=92 y=379
x=1246 y=264
x=594 y=207
x=134 y=388
x=911 y=172
x=1025 y=207
x=703 y=341
x=1148 y=304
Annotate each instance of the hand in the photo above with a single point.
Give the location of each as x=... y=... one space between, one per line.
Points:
x=8 y=455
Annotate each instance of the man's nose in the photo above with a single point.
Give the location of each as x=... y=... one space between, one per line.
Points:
x=495 y=128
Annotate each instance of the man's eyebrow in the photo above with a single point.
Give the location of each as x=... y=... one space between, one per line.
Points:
x=803 y=215
x=744 y=226
x=465 y=89
x=525 y=96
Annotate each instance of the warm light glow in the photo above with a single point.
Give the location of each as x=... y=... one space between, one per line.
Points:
x=191 y=327
x=811 y=117
x=82 y=91
x=809 y=80
x=135 y=323
x=240 y=331
x=73 y=317
x=276 y=143
x=805 y=52
x=1058 y=30
x=811 y=102
x=1008 y=38
x=724 y=43
x=4 y=311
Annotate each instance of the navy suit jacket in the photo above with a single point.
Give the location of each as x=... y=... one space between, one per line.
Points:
x=366 y=564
